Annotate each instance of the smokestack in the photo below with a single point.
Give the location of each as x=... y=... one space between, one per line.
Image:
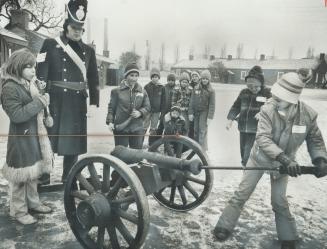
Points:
x=20 y=18
x=105 y=42
x=262 y=57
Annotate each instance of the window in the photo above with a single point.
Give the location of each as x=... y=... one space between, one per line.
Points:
x=243 y=74
x=279 y=74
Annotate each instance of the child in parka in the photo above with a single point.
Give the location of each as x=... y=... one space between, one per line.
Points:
x=284 y=124
x=246 y=107
x=174 y=124
x=156 y=94
x=202 y=108
x=181 y=97
x=29 y=152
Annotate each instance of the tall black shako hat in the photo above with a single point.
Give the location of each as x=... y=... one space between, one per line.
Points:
x=76 y=12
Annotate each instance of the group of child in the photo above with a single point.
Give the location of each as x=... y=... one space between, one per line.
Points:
x=272 y=124
x=190 y=103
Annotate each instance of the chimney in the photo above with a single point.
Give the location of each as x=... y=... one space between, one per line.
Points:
x=191 y=57
x=212 y=57
x=262 y=57
x=229 y=57
x=105 y=42
x=20 y=18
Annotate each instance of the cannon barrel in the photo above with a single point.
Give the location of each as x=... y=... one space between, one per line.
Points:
x=131 y=156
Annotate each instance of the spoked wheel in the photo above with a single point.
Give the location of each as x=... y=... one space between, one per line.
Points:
x=187 y=191
x=106 y=204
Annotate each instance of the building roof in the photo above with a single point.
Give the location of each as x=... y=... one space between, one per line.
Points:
x=105 y=59
x=282 y=64
x=290 y=64
x=194 y=64
x=12 y=37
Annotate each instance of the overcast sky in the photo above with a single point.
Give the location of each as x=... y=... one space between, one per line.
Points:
x=262 y=25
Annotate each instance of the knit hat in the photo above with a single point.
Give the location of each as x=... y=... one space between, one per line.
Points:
x=195 y=73
x=206 y=74
x=256 y=73
x=184 y=76
x=171 y=76
x=288 y=87
x=154 y=71
x=305 y=74
x=76 y=11
x=131 y=68
x=176 y=108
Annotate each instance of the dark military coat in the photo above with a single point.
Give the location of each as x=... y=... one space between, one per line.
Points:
x=68 y=107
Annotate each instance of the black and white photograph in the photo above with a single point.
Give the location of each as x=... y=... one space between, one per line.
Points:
x=159 y=124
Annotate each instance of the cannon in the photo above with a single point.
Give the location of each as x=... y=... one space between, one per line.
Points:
x=105 y=196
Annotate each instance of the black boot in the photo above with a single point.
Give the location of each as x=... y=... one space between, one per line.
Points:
x=288 y=244
x=69 y=162
x=221 y=234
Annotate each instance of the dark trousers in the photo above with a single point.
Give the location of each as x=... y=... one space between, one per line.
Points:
x=133 y=140
x=246 y=143
x=69 y=161
x=191 y=130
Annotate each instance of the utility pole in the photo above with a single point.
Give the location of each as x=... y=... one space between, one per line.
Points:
x=177 y=53
x=148 y=55
x=162 y=57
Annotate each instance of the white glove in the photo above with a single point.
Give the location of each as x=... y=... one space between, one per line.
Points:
x=191 y=117
x=209 y=121
x=229 y=124
x=111 y=127
x=136 y=114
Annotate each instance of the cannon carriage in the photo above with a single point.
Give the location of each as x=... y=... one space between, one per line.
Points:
x=106 y=195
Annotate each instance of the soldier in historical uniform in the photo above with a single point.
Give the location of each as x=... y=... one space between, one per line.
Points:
x=69 y=67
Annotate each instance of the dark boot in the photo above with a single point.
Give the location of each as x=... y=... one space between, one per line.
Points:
x=44 y=179
x=69 y=162
x=221 y=234
x=288 y=244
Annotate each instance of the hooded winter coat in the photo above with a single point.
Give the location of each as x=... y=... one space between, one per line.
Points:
x=28 y=154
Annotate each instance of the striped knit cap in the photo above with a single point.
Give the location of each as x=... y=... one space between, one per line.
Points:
x=131 y=68
x=288 y=88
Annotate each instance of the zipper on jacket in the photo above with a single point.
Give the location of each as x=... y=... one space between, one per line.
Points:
x=247 y=115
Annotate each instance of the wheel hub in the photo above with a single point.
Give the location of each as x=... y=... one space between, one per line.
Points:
x=93 y=211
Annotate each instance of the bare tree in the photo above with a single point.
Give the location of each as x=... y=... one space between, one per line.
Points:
x=239 y=51
x=43 y=13
x=223 y=51
x=162 y=60
x=148 y=55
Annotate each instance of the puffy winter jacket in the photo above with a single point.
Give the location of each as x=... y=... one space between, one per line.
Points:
x=277 y=134
x=203 y=99
x=246 y=106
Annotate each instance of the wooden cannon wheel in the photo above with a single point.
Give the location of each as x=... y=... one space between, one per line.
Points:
x=106 y=204
x=187 y=191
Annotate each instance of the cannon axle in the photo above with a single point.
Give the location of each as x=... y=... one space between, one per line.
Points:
x=93 y=211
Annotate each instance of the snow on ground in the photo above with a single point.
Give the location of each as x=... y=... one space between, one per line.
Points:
x=256 y=227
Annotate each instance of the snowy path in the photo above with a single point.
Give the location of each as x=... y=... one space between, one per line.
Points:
x=256 y=228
